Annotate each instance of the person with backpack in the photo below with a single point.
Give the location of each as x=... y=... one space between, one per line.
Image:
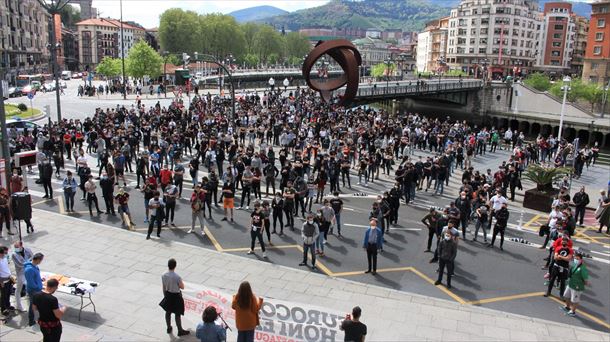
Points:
x=197 y=200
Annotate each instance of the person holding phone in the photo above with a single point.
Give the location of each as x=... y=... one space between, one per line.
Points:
x=355 y=331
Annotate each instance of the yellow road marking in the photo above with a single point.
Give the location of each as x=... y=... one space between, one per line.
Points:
x=505 y=298
x=44 y=201
x=532 y=220
x=61 y=205
x=212 y=238
x=245 y=249
x=585 y=314
x=319 y=264
x=440 y=287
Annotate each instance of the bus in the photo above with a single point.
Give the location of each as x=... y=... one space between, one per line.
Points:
x=34 y=81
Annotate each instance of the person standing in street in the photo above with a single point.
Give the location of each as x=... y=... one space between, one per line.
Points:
x=355 y=331
x=559 y=270
x=90 y=188
x=172 y=302
x=228 y=193
x=246 y=306
x=122 y=198
x=50 y=312
x=337 y=204
x=69 y=185
x=33 y=282
x=581 y=200
x=256 y=229
x=373 y=242
x=310 y=233
x=107 y=185
x=157 y=211
x=46 y=173
x=431 y=221
x=197 y=200
x=20 y=256
x=579 y=278
x=500 y=227
x=447 y=251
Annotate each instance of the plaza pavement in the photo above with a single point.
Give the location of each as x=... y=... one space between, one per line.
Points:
x=129 y=269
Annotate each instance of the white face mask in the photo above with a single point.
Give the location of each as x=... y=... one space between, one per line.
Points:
x=310 y=221
x=447 y=237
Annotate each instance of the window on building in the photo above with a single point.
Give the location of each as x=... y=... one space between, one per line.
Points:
x=557 y=35
x=555 y=62
x=594 y=65
x=601 y=22
x=471 y=50
x=473 y=41
x=597 y=50
x=599 y=36
x=482 y=50
x=555 y=53
x=556 y=44
x=558 y=27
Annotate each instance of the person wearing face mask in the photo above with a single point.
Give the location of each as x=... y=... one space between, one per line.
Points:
x=278 y=211
x=560 y=268
x=90 y=188
x=579 y=279
x=310 y=233
x=394 y=200
x=256 y=229
x=500 y=227
x=46 y=173
x=373 y=242
x=5 y=282
x=20 y=256
x=157 y=211
x=70 y=187
x=447 y=251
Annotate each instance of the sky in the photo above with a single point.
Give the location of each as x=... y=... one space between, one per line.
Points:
x=146 y=12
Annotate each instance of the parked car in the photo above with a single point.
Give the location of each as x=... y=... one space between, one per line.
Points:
x=49 y=86
x=20 y=124
x=66 y=75
x=15 y=91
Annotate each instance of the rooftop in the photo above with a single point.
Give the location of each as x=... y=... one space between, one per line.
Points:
x=107 y=22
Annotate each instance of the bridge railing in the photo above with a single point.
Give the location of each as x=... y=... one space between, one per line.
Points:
x=414 y=88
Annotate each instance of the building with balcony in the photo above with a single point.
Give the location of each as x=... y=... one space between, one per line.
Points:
x=596 y=67
x=580 y=45
x=432 y=46
x=558 y=38
x=24 y=35
x=500 y=35
x=373 y=51
x=101 y=37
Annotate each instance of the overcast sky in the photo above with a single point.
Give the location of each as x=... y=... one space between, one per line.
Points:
x=146 y=12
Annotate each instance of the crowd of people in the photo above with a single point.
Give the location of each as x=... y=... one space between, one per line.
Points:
x=302 y=152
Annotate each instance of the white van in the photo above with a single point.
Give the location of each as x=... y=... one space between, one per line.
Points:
x=66 y=75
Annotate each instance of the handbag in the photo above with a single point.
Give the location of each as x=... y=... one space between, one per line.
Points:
x=544 y=229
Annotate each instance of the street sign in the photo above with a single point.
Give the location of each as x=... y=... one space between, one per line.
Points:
x=31 y=95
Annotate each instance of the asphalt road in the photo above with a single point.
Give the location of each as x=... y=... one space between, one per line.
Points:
x=509 y=280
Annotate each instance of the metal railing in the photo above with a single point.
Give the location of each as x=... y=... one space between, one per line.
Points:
x=423 y=87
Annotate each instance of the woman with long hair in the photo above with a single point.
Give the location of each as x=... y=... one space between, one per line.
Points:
x=246 y=306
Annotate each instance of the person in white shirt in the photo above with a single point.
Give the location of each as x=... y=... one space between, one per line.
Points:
x=496 y=202
x=5 y=282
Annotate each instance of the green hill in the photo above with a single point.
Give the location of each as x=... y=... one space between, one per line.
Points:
x=409 y=15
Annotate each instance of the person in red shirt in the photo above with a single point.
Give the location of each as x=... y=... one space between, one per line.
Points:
x=122 y=198
x=166 y=177
x=68 y=144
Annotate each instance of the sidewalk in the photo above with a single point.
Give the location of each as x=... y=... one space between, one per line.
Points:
x=128 y=269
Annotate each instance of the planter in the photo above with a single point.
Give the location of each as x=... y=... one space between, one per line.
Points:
x=540 y=200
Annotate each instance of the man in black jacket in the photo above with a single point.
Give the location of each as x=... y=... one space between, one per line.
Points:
x=46 y=172
x=581 y=199
x=462 y=203
x=501 y=223
x=107 y=193
x=447 y=251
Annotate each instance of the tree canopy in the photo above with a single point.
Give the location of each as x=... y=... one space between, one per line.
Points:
x=143 y=61
x=220 y=35
x=109 y=67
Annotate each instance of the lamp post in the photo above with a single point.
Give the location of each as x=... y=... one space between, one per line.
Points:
x=605 y=98
x=565 y=88
x=286 y=83
x=54 y=7
x=123 y=53
x=388 y=63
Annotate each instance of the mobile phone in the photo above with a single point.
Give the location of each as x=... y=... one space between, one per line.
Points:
x=348 y=317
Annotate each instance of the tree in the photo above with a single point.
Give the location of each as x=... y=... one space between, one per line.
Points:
x=109 y=67
x=251 y=60
x=175 y=60
x=249 y=29
x=144 y=61
x=297 y=45
x=456 y=72
x=70 y=15
x=538 y=81
x=179 y=31
x=225 y=35
x=381 y=69
x=267 y=41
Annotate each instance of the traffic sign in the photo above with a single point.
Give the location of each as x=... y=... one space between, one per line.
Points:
x=31 y=95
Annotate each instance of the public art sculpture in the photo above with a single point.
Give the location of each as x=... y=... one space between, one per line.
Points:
x=348 y=57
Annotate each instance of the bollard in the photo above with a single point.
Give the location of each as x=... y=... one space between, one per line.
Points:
x=520 y=225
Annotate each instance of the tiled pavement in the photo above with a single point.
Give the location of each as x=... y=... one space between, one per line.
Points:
x=129 y=269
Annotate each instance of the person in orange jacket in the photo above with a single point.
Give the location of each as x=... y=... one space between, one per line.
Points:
x=246 y=306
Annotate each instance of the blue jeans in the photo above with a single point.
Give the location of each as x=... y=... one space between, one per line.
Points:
x=30 y=309
x=440 y=185
x=245 y=336
x=320 y=242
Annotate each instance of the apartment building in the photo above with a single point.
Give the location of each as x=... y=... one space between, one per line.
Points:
x=432 y=46
x=499 y=35
x=558 y=38
x=24 y=35
x=580 y=45
x=101 y=37
x=596 y=68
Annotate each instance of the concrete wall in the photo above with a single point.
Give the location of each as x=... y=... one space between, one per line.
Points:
x=532 y=101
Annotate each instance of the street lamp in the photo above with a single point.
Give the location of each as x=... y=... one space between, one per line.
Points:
x=605 y=99
x=54 y=7
x=286 y=84
x=565 y=88
x=271 y=83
